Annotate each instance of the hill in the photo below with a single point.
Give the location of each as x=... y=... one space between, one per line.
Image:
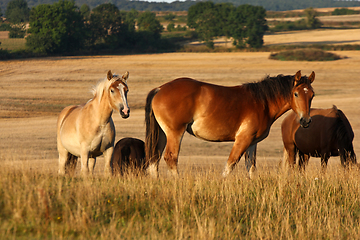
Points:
x=276 y=5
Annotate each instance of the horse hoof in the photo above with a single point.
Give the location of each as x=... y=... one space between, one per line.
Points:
x=252 y=172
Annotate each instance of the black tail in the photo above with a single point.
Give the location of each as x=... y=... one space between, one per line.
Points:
x=344 y=136
x=152 y=131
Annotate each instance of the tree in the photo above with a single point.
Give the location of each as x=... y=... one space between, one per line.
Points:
x=248 y=26
x=195 y=12
x=311 y=18
x=207 y=26
x=57 y=28
x=147 y=22
x=129 y=19
x=17 y=11
x=85 y=11
x=224 y=10
x=204 y=17
x=107 y=26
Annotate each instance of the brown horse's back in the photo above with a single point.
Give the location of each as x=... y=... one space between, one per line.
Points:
x=129 y=156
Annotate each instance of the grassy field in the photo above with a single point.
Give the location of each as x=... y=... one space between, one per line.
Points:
x=36 y=203
x=12 y=43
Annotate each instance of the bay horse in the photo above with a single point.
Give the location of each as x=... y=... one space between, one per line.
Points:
x=87 y=131
x=129 y=156
x=243 y=114
x=330 y=134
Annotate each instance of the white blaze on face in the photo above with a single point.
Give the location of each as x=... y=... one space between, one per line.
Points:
x=123 y=96
x=306 y=90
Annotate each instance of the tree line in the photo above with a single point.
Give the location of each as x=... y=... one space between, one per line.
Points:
x=274 y=5
x=63 y=28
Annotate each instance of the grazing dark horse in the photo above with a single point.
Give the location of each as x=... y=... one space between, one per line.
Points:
x=129 y=156
x=243 y=114
x=330 y=134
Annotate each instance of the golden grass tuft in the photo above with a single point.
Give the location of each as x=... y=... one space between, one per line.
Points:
x=37 y=204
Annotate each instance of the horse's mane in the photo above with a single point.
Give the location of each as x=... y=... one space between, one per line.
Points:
x=270 y=88
x=102 y=85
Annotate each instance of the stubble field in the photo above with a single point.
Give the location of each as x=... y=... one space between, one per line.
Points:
x=35 y=202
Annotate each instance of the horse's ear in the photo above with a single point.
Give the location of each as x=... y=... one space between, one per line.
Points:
x=109 y=75
x=312 y=77
x=297 y=76
x=125 y=76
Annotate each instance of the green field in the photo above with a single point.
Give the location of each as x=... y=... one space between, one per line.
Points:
x=12 y=44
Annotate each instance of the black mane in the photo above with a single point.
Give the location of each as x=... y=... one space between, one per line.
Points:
x=270 y=88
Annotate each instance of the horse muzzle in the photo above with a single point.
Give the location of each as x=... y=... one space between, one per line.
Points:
x=124 y=113
x=305 y=122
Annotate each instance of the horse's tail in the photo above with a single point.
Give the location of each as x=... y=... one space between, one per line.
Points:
x=153 y=131
x=344 y=136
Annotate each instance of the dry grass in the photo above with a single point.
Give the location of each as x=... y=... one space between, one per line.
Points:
x=36 y=203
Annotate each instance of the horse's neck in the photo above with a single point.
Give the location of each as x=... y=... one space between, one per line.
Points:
x=102 y=110
x=278 y=108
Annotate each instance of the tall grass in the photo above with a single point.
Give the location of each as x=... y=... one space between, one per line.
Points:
x=197 y=206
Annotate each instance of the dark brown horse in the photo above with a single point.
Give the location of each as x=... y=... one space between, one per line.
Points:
x=129 y=156
x=243 y=114
x=330 y=134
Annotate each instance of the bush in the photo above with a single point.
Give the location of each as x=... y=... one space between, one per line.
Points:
x=170 y=27
x=304 y=55
x=344 y=11
x=180 y=28
x=5 y=27
x=290 y=26
x=17 y=32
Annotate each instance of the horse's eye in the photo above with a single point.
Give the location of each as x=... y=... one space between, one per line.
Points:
x=112 y=90
x=296 y=94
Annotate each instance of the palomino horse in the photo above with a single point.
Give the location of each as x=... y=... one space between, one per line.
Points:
x=330 y=134
x=87 y=131
x=243 y=114
x=129 y=156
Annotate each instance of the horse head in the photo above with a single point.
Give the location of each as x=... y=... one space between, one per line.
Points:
x=118 y=93
x=301 y=97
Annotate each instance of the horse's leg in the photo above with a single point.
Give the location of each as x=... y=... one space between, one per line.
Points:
x=324 y=162
x=250 y=160
x=63 y=159
x=238 y=149
x=70 y=164
x=92 y=162
x=84 y=158
x=302 y=161
x=289 y=158
x=172 y=150
x=108 y=157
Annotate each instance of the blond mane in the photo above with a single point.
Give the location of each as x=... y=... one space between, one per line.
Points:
x=101 y=86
